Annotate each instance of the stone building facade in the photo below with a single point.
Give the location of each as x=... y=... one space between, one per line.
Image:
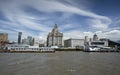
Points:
x=74 y=43
x=3 y=39
x=55 y=38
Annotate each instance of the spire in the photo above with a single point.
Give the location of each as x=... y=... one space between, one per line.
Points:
x=95 y=34
x=95 y=37
x=55 y=26
x=55 y=29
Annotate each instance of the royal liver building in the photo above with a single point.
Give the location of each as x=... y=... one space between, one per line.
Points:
x=54 y=38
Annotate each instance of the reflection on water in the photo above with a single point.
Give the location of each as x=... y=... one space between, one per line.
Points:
x=60 y=63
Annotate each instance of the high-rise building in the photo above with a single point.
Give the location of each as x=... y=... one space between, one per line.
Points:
x=55 y=38
x=29 y=41
x=19 y=37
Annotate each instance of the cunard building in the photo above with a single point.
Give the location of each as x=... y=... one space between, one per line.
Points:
x=54 y=38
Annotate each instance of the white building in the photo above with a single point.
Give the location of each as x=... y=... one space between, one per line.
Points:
x=54 y=38
x=73 y=42
x=39 y=42
x=98 y=42
x=36 y=42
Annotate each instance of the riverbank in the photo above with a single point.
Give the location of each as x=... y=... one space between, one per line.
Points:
x=103 y=51
x=3 y=51
x=58 y=49
x=68 y=49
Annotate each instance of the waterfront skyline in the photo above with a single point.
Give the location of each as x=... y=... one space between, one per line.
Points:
x=74 y=18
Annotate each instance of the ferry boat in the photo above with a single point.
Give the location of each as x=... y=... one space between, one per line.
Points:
x=27 y=48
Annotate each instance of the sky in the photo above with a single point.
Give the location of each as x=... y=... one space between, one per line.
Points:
x=75 y=18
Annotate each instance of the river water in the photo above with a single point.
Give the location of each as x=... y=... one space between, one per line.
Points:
x=60 y=63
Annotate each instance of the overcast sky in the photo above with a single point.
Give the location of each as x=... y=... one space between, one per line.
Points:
x=75 y=18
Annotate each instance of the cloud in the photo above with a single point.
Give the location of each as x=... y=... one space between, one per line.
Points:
x=72 y=34
x=110 y=34
x=52 y=6
x=56 y=6
x=67 y=27
x=34 y=24
x=99 y=24
x=113 y=32
x=77 y=34
x=96 y=21
x=81 y=35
